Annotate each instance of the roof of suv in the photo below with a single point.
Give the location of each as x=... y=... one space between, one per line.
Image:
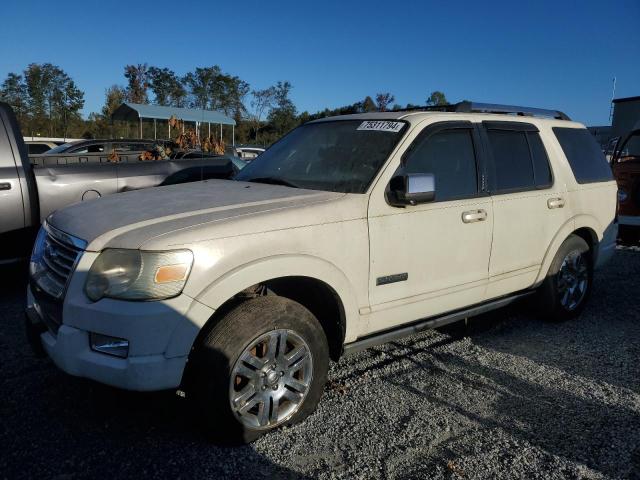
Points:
x=480 y=111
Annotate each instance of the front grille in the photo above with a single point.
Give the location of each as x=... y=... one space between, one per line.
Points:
x=53 y=260
x=58 y=260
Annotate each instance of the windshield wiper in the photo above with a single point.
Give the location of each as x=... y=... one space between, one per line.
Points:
x=273 y=181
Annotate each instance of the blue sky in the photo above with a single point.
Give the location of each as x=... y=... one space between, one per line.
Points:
x=556 y=54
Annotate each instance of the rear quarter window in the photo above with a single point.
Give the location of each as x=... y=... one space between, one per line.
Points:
x=584 y=155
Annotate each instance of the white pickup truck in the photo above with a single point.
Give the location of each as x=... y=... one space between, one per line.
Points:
x=348 y=232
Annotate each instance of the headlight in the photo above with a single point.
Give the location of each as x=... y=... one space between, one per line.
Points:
x=138 y=275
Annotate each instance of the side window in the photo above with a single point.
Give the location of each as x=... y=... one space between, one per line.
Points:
x=450 y=156
x=95 y=148
x=88 y=149
x=584 y=155
x=37 y=148
x=512 y=160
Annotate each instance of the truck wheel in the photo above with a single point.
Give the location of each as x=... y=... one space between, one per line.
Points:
x=263 y=365
x=567 y=287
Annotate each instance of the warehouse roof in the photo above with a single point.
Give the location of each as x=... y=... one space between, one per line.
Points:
x=135 y=111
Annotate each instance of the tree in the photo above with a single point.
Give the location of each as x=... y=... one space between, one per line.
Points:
x=437 y=98
x=368 y=105
x=201 y=86
x=14 y=92
x=384 y=100
x=167 y=88
x=53 y=97
x=262 y=102
x=212 y=89
x=137 y=82
x=283 y=115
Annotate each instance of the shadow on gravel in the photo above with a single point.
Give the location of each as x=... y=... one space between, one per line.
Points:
x=602 y=344
x=561 y=423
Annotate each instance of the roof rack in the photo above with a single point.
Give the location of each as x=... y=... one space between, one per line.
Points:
x=474 y=107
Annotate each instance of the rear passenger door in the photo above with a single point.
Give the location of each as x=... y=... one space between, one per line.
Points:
x=528 y=206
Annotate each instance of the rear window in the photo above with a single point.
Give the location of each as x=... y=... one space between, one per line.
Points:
x=584 y=155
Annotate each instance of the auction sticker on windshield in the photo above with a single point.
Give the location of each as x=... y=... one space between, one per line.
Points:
x=381 y=126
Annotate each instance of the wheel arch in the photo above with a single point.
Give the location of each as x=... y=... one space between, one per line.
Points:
x=313 y=282
x=586 y=227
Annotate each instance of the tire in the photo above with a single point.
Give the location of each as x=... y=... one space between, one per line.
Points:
x=572 y=267
x=236 y=360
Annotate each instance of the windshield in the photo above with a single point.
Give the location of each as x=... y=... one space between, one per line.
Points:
x=60 y=148
x=338 y=156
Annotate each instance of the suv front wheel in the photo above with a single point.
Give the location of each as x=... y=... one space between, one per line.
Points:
x=567 y=287
x=263 y=365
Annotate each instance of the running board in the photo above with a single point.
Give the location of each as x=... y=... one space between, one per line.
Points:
x=433 y=322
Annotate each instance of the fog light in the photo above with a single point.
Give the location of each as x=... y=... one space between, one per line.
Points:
x=118 y=347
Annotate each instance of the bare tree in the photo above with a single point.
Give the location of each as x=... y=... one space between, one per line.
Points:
x=138 y=82
x=262 y=102
x=384 y=100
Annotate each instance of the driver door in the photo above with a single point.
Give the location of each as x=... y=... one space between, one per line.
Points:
x=433 y=257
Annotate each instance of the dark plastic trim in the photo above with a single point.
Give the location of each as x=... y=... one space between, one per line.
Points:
x=427 y=324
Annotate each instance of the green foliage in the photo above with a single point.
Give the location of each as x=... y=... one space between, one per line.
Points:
x=283 y=116
x=47 y=102
x=167 y=88
x=45 y=99
x=437 y=98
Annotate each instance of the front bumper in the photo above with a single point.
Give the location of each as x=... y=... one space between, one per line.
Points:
x=160 y=334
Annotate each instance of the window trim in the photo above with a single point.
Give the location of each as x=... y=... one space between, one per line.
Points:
x=526 y=129
x=438 y=127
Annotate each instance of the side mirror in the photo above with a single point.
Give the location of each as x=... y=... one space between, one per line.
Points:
x=411 y=189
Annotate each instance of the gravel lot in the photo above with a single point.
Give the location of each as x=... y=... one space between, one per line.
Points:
x=508 y=397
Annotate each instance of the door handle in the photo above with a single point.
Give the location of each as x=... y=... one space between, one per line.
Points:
x=474 y=216
x=555 y=202
x=5 y=186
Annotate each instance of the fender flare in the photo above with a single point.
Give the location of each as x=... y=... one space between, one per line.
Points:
x=244 y=276
x=574 y=223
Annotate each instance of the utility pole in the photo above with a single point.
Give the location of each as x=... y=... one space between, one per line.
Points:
x=613 y=95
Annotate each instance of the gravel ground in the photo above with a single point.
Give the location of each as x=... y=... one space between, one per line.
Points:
x=507 y=397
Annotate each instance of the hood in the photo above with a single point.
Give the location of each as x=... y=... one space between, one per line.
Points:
x=129 y=219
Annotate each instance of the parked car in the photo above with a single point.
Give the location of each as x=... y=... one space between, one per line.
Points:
x=248 y=152
x=348 y=232
x=96 y=150
x=33 y=187
x=625 y=164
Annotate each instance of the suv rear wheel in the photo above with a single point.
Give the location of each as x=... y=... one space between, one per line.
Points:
x=567 y=287
x=263 y=365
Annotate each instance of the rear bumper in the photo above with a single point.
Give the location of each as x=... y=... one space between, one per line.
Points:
x=631 y=220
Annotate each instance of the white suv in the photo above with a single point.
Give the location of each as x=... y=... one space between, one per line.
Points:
x=348 y=232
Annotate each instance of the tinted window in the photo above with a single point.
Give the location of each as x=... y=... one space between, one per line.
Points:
x=449 y=155
x=88 y=149
x=541 y=169
x=37 y=148
x=512 y=160
x=584 y=155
